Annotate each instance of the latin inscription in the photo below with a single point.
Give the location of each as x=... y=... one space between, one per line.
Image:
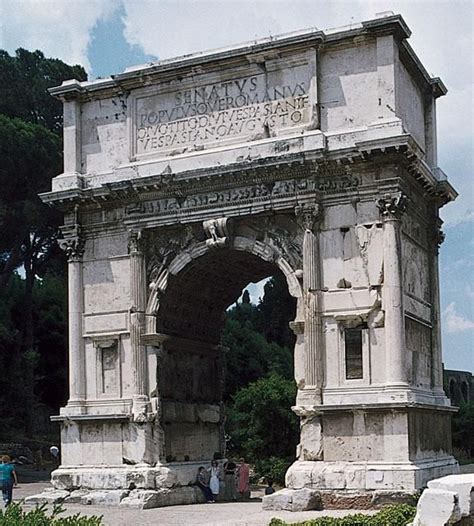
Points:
x=246 y=108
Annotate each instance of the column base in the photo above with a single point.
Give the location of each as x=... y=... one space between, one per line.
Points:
x=355 y=485
x=368 y=476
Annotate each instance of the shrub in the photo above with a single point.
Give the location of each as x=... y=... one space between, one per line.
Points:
x=273 y=468
x=14 y=515
x=398 y=515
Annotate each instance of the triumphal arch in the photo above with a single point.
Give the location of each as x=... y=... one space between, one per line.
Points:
x=312 y=154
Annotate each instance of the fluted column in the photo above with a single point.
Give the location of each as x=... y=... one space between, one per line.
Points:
x=137 y=319
x=73 y=245
x=436 y=357
x=392 y=208
x=309 y=216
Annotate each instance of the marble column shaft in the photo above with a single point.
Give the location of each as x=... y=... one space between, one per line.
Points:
x=436 y=356
x=73 y=246
x=395 y=352
x=310 y=216
x=137 y=313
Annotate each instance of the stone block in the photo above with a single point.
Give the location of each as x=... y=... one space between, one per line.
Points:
x=75 y=497
x=208 y=413
x=382 y=498
x=53 y=496
x=437 y=507
x=104 y=498
x=463 y=485
x=147 y=499
x=292 y=500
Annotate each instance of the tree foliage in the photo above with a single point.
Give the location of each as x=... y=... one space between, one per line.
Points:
x=30 y=156
x=24 y=82
x=260 y=419
x=463 y=429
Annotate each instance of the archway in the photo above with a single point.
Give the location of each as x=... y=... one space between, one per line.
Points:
x=189 y=314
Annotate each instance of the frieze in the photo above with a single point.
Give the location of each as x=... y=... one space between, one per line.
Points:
x=255 y=192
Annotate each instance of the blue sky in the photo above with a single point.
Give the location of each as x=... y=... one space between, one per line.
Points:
x=106 y=36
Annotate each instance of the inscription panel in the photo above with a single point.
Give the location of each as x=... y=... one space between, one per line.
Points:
x=277 y=98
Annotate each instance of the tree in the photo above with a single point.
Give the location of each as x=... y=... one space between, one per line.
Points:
x=276 y=310
x=24 y=82
x=463 y=429
x=250 y=355
x=30 y=156
x=260 y=420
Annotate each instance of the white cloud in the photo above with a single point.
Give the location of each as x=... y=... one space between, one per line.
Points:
x=59 y=28
x=455 y=322
x=177 y=27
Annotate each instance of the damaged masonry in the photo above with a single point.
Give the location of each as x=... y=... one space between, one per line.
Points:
x=331 y=179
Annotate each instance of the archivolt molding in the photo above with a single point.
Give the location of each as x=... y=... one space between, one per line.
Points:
x=169 y=255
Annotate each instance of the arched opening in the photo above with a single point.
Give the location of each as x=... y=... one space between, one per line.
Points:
x=191 y=372
x=465 y=391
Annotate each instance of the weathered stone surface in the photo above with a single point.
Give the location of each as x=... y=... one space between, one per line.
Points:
x=75 y=497
x=104 y=498
x=292 y=500
x=382 y=498
x=463 y=485
x=437 y=507
x=146 y=499
x=48 y=497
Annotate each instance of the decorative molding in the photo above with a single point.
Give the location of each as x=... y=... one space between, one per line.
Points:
x=392 y=206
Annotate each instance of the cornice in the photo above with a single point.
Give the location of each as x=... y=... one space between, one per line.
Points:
x=263 y=171
x=242 y=54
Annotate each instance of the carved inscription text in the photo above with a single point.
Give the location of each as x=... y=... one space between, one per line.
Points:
x=248 y=108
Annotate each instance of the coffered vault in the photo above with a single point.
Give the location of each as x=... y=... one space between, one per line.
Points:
x=313 y=154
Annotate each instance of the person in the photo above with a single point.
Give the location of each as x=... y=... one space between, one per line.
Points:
x=8 y=478
x=269 y=489
x=202 y=483
x=229 y=480
x=244 y=474
x=214 y=484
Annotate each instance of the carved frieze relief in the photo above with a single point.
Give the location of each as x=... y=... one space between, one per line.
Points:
x=187 y=198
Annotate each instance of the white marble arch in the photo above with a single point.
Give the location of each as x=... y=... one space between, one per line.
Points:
x=242 y=243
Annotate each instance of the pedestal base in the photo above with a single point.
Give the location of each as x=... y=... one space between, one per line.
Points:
x=355 y=485
x=139 y=486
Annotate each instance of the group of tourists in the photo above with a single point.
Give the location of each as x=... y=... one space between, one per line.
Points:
x=232 y=477
x=8 y=478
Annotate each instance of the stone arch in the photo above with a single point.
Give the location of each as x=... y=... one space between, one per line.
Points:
x=185 y=311
x=260 y=249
